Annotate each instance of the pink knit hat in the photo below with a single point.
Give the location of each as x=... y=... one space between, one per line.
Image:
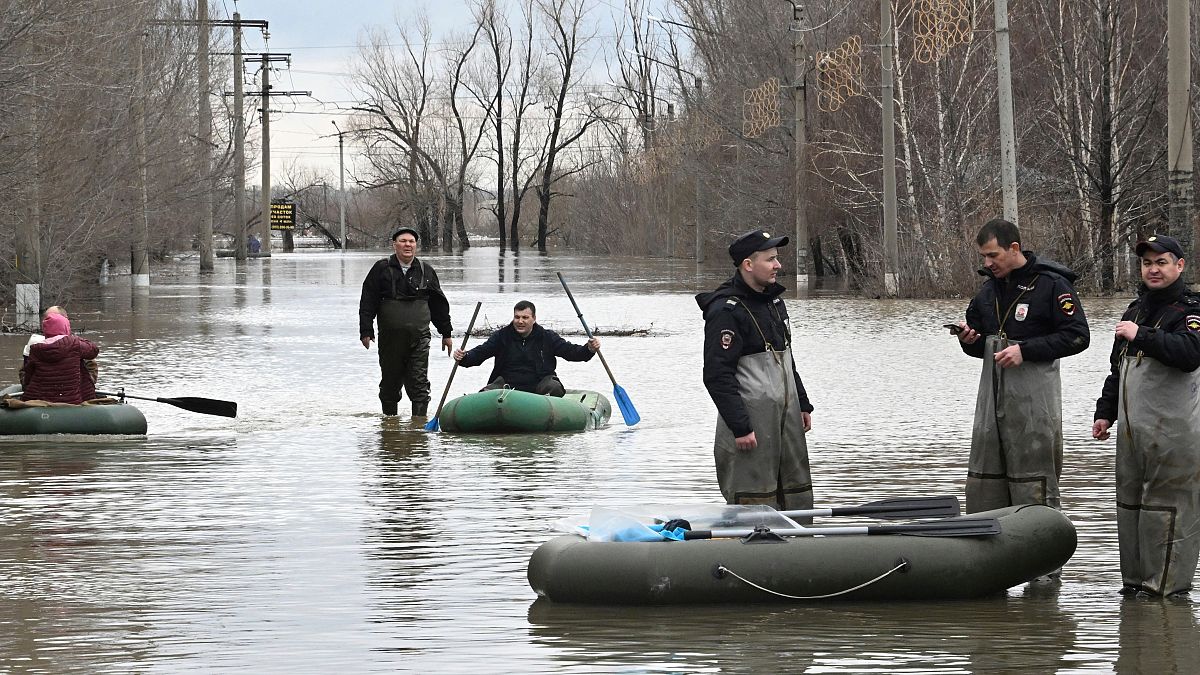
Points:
x=55 y=324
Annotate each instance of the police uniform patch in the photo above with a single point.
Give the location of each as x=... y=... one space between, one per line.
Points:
x=1193 y=323
x=1067 y=304
x=1021 y=312
x=726 y=339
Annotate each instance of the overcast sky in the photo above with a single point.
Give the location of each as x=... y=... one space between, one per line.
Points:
x=321 y=36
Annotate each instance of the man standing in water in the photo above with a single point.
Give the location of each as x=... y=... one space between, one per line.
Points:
x=1029 y=317
x=1153 y=389
x=763 y=410
x=405 y=295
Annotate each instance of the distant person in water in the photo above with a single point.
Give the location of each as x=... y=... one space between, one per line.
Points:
x=525 y=354
x=59 y=367
x=254 y=244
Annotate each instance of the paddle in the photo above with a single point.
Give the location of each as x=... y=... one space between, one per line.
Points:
x=433 y=424
x=965 y=527
x=896 y=508
x=204 y=406
x=628 y=412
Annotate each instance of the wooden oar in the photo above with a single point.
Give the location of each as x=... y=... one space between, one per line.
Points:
x=433 y=424
x=628 y=412
x=204 y=406
x=955 y=527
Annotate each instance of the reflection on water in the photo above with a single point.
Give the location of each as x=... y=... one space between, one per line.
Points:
x=309 y=534
x=836 y=638
x=1158 y=636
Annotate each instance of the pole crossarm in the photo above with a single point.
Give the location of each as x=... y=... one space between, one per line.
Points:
x=232 y=23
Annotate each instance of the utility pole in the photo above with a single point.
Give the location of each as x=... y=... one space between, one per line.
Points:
x=239 y=146
x=139 y=258
x=265 y=221
x=696 y=180
x=204 y=233
x=204 y=118
x=265 y=59
x=341 y=184
x=1008 y=141
x=891 y=255
x=1180 y=191
x=800 y=102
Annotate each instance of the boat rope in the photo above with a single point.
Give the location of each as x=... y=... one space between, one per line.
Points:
x=881 y=577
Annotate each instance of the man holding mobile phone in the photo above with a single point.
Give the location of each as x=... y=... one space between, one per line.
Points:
x=1024 y=319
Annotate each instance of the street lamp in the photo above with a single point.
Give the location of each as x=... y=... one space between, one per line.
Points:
x=341 y=185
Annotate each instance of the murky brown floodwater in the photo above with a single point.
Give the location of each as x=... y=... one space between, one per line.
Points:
x=309 y=535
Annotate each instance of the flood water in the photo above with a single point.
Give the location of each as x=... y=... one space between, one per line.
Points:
x=312 y=535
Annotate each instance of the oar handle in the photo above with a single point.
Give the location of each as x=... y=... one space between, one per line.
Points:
x=122 y=394
x=578 y=312
x=454 y=368
x=586 y=329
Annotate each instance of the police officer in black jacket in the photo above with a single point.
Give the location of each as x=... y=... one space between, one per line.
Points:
x=1154 y=390
x=763 y=409
x=404 y=294
x=1024 y=318
x=525 y=354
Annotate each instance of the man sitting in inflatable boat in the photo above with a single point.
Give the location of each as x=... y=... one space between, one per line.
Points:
x=524 y=353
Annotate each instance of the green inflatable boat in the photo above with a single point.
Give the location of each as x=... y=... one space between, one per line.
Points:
x=512 y=411
x=90 y=419
x=1033 y=540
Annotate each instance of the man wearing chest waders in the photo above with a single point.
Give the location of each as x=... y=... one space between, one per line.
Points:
x=404 y=294
x=763 y=410
x=1023 y=320
x=1154 y=390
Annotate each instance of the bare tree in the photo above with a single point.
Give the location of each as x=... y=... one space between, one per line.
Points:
x=563 y=18
x=1103 y=86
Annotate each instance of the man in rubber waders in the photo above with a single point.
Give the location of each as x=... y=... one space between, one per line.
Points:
x=1154 y=390
x=404 y=294
x=1024 y=319
x=763 y=411
x=525 y=354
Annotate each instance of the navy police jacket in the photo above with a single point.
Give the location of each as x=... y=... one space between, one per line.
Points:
x=730 y=334
x=1168 y=331
x=524 y=361
x=1035 y=305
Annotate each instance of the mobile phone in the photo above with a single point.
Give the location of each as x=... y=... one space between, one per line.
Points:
x=953 y=327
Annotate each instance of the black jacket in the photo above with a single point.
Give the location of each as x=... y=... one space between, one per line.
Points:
x=730 y=333
x=1034 y=305
x=387 y=280
x=523 y=362
x=1168 y=331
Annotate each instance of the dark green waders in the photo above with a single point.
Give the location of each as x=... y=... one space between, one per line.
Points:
x=1017 y=442
x=1158 y=475
x=776 y=472
x=404 y=353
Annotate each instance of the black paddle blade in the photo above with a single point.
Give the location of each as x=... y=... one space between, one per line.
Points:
x=958 y=527
x=204 y=406
x=904 y=507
